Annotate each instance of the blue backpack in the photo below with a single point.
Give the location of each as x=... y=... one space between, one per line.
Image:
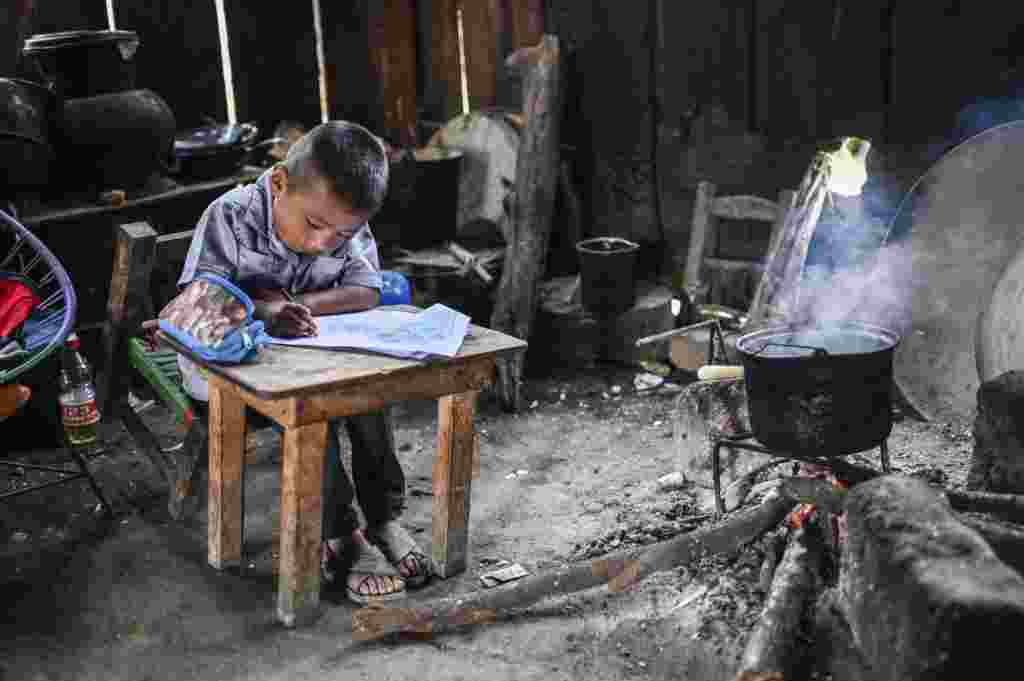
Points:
x=239 y=345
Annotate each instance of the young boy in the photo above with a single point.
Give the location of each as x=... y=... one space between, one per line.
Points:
x=302 y=227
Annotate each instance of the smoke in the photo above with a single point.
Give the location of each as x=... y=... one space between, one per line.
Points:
x=875 y=290
x=852 y=273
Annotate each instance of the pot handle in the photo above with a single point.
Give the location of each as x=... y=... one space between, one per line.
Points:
x=816 y=352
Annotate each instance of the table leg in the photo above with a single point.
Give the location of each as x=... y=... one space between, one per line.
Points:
x=453 y=473
x=227 y=452
x=302 y=467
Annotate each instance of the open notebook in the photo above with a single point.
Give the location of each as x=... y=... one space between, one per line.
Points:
x=437 y=331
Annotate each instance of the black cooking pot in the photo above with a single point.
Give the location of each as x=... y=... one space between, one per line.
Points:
x=115 y=141
x=819 y=391
x=27 y=112
x=85 y=63
x=214 y=151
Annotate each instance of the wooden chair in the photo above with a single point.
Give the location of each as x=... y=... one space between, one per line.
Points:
x=709 y=275
x=723 y=282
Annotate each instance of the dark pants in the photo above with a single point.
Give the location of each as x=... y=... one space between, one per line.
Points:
x=379 y=481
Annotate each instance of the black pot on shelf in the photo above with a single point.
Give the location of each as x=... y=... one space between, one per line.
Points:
x=27 y=115
x=84 y=63
x=215 y=150
x=115 y=141
x=421 y=206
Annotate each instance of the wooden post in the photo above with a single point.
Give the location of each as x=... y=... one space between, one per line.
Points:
x=453 y=473
x=226 y=498
x=302 y=466
x=134 y=251
x=537 y=170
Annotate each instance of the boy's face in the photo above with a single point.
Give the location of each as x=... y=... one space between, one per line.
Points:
x=311 y=219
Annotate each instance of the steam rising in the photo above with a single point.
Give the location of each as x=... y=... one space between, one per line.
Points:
x=852 y=272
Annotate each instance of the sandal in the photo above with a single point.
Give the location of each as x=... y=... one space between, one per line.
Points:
x=372 y=564
x=399 y=546
x=329 y=562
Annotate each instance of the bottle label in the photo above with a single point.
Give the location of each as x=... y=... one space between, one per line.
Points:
x=78 y=415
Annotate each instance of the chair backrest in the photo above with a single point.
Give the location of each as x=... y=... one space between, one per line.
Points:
x=704 y=264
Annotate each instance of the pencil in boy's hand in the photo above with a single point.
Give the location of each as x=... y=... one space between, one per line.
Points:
x=291 y=299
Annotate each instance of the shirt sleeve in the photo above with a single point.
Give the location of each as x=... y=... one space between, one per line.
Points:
x=214 y=248
x=363 y=266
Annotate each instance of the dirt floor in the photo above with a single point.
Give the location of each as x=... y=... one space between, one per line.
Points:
x=571 y=478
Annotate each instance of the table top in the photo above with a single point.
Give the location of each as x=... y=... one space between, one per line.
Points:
x=285 y=371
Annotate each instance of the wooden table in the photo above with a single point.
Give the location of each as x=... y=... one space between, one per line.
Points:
x=300 y=389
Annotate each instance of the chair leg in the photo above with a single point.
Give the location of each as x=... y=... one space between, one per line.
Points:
x=190 y=462
x=83 y=466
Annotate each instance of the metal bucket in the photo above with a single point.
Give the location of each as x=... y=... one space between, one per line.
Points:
x=607 y=273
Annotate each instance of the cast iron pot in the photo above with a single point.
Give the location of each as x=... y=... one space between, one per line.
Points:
x=85 y=63
x=819 y=391
x=214 y=151
x=27 y=112
x=116 y=140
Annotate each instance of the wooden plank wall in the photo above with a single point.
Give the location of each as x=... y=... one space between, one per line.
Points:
x=492 y=29
x=273 y=54
x=391 y=28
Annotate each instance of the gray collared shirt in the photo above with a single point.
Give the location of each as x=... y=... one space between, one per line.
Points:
x=235 y=238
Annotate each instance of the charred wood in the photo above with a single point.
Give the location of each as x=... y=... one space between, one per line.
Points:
x=618 y=571
x=1005 y=506
x=1006 y=540
x=772 y=649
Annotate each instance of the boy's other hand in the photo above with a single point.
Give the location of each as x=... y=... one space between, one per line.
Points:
x=289 y=320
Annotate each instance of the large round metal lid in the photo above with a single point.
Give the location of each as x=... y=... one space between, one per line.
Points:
x=44 y=42
x=961 y=223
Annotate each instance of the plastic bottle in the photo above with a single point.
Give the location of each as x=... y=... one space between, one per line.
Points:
x=78 y=409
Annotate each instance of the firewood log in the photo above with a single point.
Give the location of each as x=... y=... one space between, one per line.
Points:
x=820 y=493
x=772 y=648
x=1006 y=506
x=1006 y=540
x=618 y=571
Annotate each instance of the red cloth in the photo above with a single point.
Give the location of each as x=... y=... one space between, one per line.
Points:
x=16 y=303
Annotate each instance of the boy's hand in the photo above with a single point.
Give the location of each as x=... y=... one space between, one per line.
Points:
x=284 y=319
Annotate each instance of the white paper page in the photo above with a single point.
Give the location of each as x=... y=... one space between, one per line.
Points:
x=438 y=330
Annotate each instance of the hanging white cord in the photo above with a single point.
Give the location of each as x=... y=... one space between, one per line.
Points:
x=110 y=15
x=463 y=78
x=321 y=61
x=225 y=59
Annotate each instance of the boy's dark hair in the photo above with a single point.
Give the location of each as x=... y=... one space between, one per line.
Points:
x=349 y=157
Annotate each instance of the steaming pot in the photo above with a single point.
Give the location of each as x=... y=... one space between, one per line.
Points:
x=822 y=390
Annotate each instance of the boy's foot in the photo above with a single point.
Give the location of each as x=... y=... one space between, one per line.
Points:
x=403 y=552
x=371 y=578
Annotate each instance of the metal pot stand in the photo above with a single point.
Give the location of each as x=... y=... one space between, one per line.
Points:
x=738 y=441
